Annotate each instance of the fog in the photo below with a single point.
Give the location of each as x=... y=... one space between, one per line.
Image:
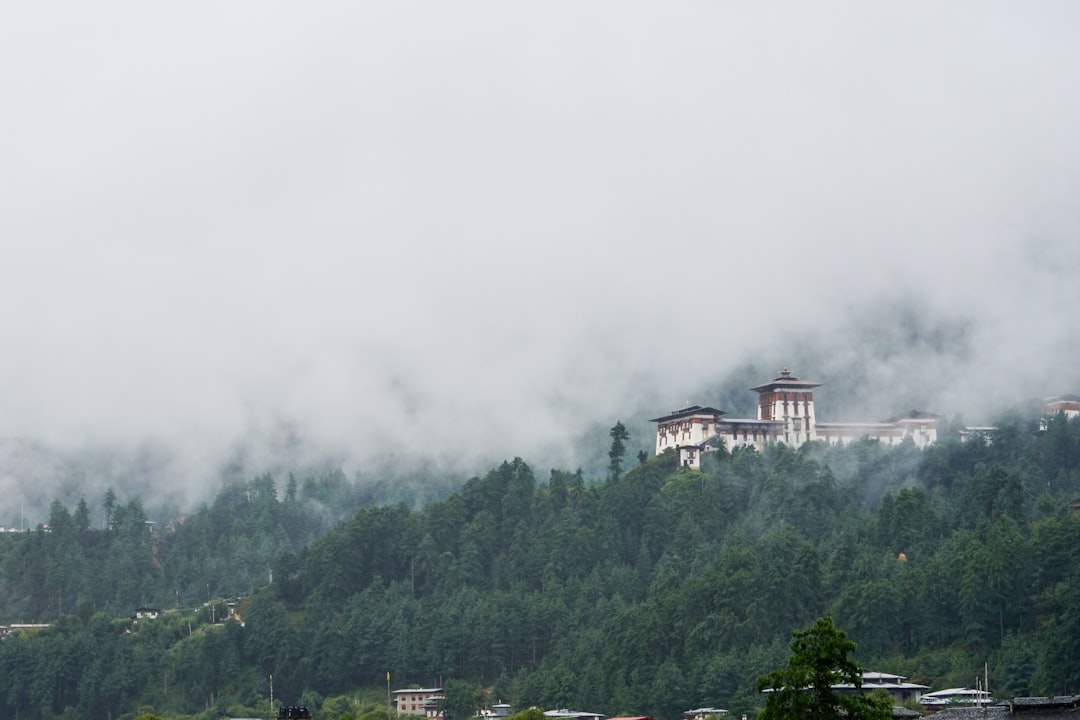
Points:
x=274 y=234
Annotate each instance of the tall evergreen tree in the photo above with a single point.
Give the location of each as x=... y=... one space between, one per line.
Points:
x=619 y=436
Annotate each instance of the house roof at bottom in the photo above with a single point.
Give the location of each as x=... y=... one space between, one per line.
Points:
x=969 y=712
x=1021 y=708
x=1061 y=701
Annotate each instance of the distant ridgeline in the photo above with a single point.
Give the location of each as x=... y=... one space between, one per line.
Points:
x=785 y=413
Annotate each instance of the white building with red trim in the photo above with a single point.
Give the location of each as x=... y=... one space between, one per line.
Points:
x=785 y=413
x=1068 y=404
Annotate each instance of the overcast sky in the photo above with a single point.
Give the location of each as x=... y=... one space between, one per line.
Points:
x=477 y=228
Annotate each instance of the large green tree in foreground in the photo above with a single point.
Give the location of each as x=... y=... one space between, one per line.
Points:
x=803 y=689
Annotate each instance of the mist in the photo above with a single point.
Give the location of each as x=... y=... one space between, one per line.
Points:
x=265 y=235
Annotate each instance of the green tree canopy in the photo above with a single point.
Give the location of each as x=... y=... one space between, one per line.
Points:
x=461 y=700
x=803 y=689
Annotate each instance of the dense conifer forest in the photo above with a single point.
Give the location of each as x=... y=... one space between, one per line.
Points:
x=651 y=591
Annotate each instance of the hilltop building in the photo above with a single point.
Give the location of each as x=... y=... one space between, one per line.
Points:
x=1068 y=404
x=146 y=613
x=785 y=413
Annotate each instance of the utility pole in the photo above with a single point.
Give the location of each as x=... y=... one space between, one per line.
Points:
x=388 y=695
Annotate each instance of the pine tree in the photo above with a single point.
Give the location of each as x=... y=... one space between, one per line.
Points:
x=619 y=436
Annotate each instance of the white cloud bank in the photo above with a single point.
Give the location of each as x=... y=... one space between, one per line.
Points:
x=473 y=229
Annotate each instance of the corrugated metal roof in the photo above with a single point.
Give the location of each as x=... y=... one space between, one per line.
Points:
x=689 y=412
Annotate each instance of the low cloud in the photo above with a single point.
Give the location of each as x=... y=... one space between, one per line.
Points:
x=478 y=231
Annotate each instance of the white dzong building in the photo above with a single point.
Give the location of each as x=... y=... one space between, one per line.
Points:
x=1068 y=404
x=785 y=413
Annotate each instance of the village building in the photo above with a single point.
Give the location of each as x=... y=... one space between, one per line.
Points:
x=785 y=414
x=1062 y=707
x=982 y=431
x=417 y=701
x=433 y=707
x=565 y=714
x=146 y=613
x=957 y=696
x=13 y=628
x=704 y=713
x=896 y=685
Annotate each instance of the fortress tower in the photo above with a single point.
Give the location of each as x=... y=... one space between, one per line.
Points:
x=790 y=400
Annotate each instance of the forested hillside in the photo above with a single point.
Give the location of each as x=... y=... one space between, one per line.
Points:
x=652 y=592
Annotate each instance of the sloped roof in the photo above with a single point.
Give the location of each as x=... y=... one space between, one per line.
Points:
x=786 y=380
x=1038 y=704
x=971 y=712
x=753 y=422
x=1061 y=707
x=914 y=415
x=689 y=412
